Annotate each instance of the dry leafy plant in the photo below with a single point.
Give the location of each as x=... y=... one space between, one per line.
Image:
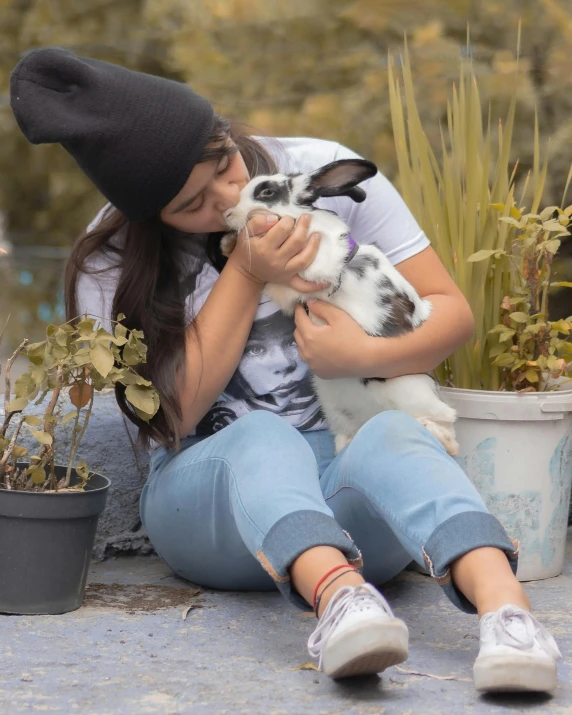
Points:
x=78 y=358
x=532 y=351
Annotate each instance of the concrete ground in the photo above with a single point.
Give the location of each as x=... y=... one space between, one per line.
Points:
x=129 y=650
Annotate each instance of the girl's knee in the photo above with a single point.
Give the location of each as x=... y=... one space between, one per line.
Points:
x=392 y=427
x=262 y=433
x=262 y=425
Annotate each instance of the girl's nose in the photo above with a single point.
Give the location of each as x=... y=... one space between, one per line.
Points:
x=227 y=195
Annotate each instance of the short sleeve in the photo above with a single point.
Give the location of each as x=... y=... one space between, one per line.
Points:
x=95 y=291
x=383 y=218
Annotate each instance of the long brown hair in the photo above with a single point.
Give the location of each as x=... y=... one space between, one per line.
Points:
x=155 y=281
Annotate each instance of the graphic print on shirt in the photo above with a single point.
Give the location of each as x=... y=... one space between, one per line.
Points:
x=270 y=376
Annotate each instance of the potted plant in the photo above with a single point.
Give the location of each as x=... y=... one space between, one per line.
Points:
x=49 y=511
x=510 y=383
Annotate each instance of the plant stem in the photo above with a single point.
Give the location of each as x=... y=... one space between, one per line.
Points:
x=77 y=439
x=48 y=425
x=10 y=448
x=8 y=415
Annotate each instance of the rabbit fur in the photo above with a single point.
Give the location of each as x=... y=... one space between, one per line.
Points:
x=363 y=282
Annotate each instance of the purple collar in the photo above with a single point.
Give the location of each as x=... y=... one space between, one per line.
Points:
x=352 y=248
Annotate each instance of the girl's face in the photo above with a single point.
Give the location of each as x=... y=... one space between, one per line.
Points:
x=212 y=188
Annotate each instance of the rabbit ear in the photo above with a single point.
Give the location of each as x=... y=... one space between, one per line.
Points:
x=339 y=178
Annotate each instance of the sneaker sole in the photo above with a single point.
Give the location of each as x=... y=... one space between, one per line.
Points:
x=369 y=648
x=512 y=674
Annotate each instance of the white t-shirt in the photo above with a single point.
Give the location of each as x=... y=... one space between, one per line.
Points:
x=271 y=375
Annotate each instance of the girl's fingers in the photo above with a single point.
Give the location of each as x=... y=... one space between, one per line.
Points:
x=297 y=239
x=305 y=257
x=302 y=286
x=260 y=225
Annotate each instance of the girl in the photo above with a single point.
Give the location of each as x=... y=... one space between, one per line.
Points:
x=252 y=498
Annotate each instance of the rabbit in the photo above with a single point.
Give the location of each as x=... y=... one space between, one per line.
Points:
x=363 y=282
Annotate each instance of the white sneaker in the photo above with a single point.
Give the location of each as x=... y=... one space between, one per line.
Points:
x=516 y=654
x=358 y=634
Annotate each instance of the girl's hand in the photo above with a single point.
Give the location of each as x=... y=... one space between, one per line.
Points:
x=273 y=250
x=335 y=349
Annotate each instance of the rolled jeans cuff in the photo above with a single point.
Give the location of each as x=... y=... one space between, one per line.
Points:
x=456 y=537
x=294 y=534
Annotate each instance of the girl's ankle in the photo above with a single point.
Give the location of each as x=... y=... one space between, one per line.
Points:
x=327 y=591
x=494 y=601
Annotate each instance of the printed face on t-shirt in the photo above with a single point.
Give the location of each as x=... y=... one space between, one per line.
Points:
x=270 y=363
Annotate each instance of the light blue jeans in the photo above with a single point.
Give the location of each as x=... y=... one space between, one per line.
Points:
x=235 y=509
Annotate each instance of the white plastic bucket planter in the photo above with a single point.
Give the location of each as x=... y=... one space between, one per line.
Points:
x=517 y=451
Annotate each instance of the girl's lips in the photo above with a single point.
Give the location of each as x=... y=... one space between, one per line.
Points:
x=286 y=386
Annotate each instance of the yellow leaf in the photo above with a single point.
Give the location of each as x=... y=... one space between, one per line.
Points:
x=18 y=404
x=531 y=375
x=306 y=666
x=33 y=421
x=38 y=474
x=481 y=255
x=102 y=359
x=42 y=437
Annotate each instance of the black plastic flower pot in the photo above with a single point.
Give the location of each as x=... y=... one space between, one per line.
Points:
x=46 y=541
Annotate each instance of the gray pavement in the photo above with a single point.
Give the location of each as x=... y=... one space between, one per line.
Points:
x=128 y=650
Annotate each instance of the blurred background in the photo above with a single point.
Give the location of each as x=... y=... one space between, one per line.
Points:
x=296 y=68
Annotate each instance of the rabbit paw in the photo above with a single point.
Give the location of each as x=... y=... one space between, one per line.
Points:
x=442 y=432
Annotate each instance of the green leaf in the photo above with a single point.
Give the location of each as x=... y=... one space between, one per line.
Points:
x=552 y=246
x=42 y=437
x=547 y=213
x=531 y=375
x=82 y=469
x=562 y=326
x=59 y=352
x=66 y=418
x=483 y=255
x=36 y=349
x=102 y=359
x=507 y=335
x=37 y=474
x=141 y=397
x=86 y=328
x=130 y=355
x=561 y=284
x=552 y=225
x=519 y=317
x=504 y=360
x=18 y=404
x=61 y=337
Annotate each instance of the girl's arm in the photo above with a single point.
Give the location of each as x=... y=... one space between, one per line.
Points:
x=448 y=327
x=341 y=348
x=223 y=323
x=225 y=320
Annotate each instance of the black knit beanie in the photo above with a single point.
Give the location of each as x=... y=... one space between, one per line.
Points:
x=136 y=136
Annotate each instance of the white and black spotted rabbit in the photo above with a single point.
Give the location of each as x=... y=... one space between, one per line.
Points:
x=363 y=282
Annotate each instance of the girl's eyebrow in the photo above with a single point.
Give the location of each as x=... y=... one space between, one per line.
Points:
x=188 y=202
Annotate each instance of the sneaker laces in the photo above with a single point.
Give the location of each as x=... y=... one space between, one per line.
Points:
x=346 y=599
x=519 y=629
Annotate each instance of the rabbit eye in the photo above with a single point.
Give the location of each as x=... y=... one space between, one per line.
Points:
x=266 y=193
